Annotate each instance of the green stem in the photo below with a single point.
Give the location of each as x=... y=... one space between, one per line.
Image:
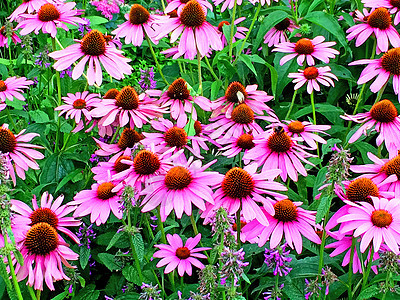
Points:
x=115 y=134
x=294 y=11
x=161 y=225
x=291 y=105
x=380 y=93
x=199 y=72
x=321 y=249
x=238 y=225
x=211 y=69
x=313 y=108
x=276 y=284
x=146 y=220
x=353 y=245
x=248 y=32
x=12 y=270
x=192 y=220
x=31 y=292
x=58 y=79
x=11 y=119
x=38 y=294
x=135 y=256
x=155 y=58
x=9 y=55
x=232 y=28
x=368 y=270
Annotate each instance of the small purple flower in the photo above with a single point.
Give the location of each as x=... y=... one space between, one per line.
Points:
x=86 y=235
x=84 y=27
x=70 y=289
x=232 y=263
x=147 y=81
x=278 y=260
x=67 y=72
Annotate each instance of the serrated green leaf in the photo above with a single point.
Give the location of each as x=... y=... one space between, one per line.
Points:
x=114 y=239
x=39 y=116
x=369 y=292
x=109 y=261
x=61 y=296
x=84 y=254
x=67 y=178
x=139 y=246
x=131 y=275
x=96 y=20
x=87 y=293
x=323 y=207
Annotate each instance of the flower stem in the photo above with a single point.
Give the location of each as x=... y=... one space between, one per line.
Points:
x=291 y=105
x=115 y=134
x=232 y=27
x=12 y=270
x=353 y=245
x=11 y=119
x=38 y=294
x=161 y=225
x=135 y=256
x=238 y=225
x=313 y=108
x=192 y=220
x=155 y=58
x=58 y=79
x=199 y=72
x=248 y=32
x=366 y=274
x=31 y=292
x=211 y=69
x=380 y=93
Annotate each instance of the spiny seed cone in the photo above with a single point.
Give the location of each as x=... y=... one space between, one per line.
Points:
x=390 y=61
x=245 y=141
x=127 y=98
x=221 y=25
x=243 y=114
x=104 y=191
x=7 y=141
x=384 y=111
x=43 y=215
x=381 y=218
x=3 y=86
x=392 y=167
x=93 y=43
x=120 y=166
x=296 y=127
x=236 y=92
x=192 y=15
x=380 y=18
x=279 y=142
x=176 y=137
x=362 y=189
x=79 y=104
x=197 y=128
x=285 y=210
x=138 y=15
x=310 y=73
x=237 y=183
x=111 y=94
x=146 y=163
x=304 y=46
x=41 y=239
x=48 y=12
x=129 y=137
x=182 y=252
x=178 y=90
x=178 y=178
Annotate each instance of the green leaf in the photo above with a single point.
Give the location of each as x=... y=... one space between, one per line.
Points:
x=17 y=104
x=39 y=116
x=84 y=254
x=245 y=278
x=269 y=21
x=61 y=296
x=55 y=167
x=114 y=239
x=96 y=20
x=130 y=273
x=215 y=88
x=369 y=292
x=109 y=261
x=88 y=293
x=247 y=61
x=274 y=78
x=67 y=178
x=283 y=72
x=323 y=207
x=329 y=23
x=139 y=246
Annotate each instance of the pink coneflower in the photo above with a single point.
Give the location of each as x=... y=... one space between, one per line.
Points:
x=98 y=202
x=202 y=135
x=239 y=34
x=235 y=145
x=378 y=23
x=384 y=119
x=227 y=3
x=287 y=218
x=312 y=76
x=242 y=189
x=392 y=5
x=262 y=1
x=197 y=35
x=376 y=223
x=49 y=17
x=306 y=49
x=51 y=212
x=146 y=164
x=178 y=5
x=114 y=166
x=384 y=172
x=139 y=24
x=242 y=121
x=177 y=97
x=128 y=139
x=278 y=33
x=4 y=39
x=12 y=87
x=237 y=94
x=383 y=67
x=97 y=51
x=175 y=255
x=44 y=253
x=182 y=185
x=305 y=131
x=344 y=244
x=78 y=104
x=17 y=150
x=277 y=150
x=171 y=136
x=127 y=107
x=27 y=6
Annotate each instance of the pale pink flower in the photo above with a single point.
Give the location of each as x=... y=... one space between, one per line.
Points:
x=178 y=5
x=235 y=145
x=277 y=150
x=377 y=223
x=27 y=6
x=115 y=165
x=197 y=35
x=95 y=50
x=239 y=34
x=278 y=33
x=262 y=2
x=237 y=94
x=227 y=4
x=184 y=184
x=44 y=254
x=306 y=49
x=51 y=212
x=287 y=219
x=384 y=119
x=12 y=87
x=312 y=76
x=175 y=255
x=78 y=104
x=383 y=67
x=49 y=17
x=378 y=23
x=18 y=153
